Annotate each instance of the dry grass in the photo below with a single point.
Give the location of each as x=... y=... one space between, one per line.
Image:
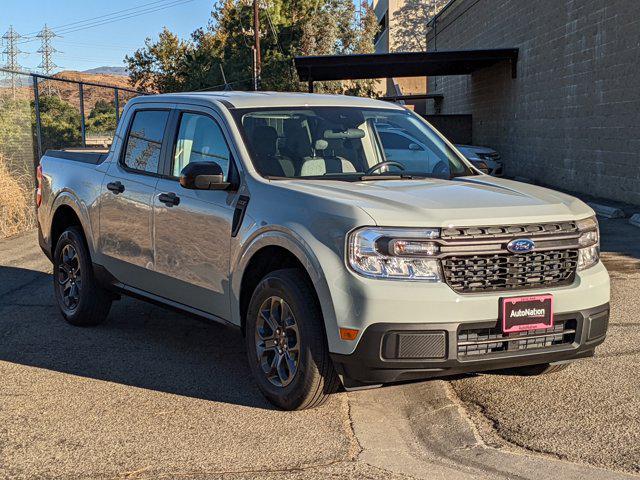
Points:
x=17 y=209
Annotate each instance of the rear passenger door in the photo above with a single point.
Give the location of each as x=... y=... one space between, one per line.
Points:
x=193 y=231
x=126 y=215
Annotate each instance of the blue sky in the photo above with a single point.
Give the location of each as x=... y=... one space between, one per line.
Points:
x=105 y=44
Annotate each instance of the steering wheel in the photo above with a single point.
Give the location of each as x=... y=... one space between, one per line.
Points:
x=386 y=163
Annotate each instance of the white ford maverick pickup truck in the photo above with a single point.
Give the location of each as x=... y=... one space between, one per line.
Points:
x=342 y=259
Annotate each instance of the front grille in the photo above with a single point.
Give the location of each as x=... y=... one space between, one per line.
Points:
x=502 y=231
x=509 y=271
x=485 y=341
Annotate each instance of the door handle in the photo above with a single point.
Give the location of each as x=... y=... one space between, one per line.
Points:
x=169 y=199
x=115 y=187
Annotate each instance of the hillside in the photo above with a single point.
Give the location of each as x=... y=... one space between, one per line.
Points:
x=70 y=92
x=120 y=71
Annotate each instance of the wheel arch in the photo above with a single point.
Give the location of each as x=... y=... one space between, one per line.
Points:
x=270 y=251
x=66 y=214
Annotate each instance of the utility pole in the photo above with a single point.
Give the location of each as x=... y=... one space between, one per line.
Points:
x=12 y=51
x=257 y=67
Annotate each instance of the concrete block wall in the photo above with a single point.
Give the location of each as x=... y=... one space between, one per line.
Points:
x=572 y=117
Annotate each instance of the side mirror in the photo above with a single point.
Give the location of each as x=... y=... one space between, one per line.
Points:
x=415 y=147
x=203 y=176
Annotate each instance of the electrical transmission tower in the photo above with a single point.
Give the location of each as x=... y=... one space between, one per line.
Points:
x=47 y=50
x=12 y=51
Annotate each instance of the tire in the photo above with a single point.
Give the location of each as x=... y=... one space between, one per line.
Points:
x=304 y=377
x=81 y=300
x=535 y=370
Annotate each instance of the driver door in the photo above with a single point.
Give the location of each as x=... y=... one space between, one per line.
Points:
x=193 y=227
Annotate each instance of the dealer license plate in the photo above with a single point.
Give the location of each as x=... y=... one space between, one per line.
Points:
x=527 y=313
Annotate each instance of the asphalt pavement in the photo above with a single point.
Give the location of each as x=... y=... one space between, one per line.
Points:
x=150 y=392
x=589 y=412
x=155 y=394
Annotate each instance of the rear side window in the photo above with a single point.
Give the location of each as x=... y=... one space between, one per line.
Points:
x=200 y=140
x=145 y=140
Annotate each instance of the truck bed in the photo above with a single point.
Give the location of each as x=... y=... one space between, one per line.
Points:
x=91 y=156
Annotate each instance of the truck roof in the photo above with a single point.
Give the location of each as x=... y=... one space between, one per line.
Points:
x=238 y=99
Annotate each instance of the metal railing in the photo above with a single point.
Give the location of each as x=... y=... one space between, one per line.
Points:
x=64 y=112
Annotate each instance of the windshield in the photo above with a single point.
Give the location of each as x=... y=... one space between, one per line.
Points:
x=346 y=143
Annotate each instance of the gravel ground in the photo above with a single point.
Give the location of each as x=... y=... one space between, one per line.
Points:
x=591 y=411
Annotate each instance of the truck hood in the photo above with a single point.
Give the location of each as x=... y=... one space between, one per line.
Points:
x=469 y=201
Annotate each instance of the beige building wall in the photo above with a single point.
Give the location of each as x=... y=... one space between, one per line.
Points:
x=392 y=17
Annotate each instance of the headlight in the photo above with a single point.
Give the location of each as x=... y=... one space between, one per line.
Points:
x=589 y=241
x=395 y=253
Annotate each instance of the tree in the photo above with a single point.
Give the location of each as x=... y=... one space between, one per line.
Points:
x=59 y=123
x=288 y=28
x=102 y=118
x=409 y=24
x=159 y=65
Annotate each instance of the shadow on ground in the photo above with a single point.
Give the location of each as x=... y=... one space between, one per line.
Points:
x=140 y=345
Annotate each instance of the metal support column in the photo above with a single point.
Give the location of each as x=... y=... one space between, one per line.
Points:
x=82 y=122
x=310 y=85
x=116 y=102
x=36 y=106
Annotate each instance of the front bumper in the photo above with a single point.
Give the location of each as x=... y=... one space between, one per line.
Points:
x=370 y=363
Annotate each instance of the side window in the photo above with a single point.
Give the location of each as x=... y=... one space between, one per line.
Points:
x=393 y=141
x=145 y=140
x=200 y=139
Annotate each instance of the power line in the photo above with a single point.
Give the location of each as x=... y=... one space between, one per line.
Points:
x=91 y=23
x=273 y=31
x=111 y=14
x=174 y=3
x=99 y=46
x=101 y=16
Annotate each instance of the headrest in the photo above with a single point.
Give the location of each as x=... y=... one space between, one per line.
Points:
x=321 y=144
x=265 y=140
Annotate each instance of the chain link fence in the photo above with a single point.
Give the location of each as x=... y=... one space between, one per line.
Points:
x=38 y=113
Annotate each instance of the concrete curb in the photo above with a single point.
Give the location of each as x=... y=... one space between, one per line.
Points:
x=606 y=211
x=422 y=430
x=635 y=220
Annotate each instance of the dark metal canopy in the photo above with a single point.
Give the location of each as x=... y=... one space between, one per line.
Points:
x=406 y=64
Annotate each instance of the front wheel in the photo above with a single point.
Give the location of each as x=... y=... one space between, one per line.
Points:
x=286 y=343
x=81 y=300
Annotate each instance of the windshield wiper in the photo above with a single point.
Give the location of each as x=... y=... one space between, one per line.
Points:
x=400 y=176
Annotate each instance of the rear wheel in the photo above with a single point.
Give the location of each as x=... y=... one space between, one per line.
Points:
x=81 y=300
x=286 y=342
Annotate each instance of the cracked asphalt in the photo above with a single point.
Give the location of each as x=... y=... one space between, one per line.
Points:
x=155 y=394
x=590 y=412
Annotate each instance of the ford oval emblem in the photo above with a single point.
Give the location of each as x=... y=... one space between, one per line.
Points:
x=521 y=245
